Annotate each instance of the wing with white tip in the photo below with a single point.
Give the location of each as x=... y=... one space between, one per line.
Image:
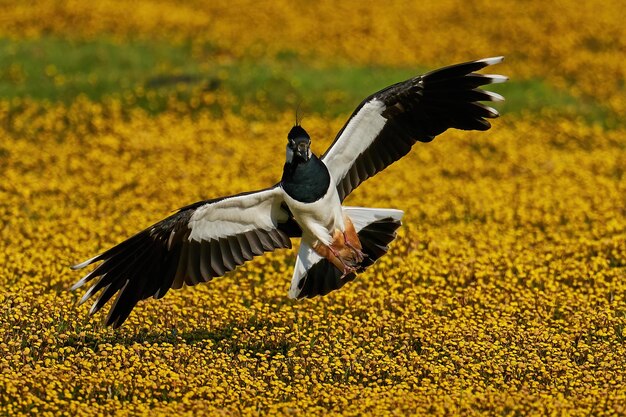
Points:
x=386 y=125
x=201 y=241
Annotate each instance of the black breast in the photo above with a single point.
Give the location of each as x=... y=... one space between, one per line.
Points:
x=306 y=181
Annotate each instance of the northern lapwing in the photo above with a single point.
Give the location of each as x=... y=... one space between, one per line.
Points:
x=210 y=238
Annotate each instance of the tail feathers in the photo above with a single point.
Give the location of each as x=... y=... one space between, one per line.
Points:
x=314 y=275
x=363 y=216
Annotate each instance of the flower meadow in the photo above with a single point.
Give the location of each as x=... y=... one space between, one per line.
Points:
x=504 y=294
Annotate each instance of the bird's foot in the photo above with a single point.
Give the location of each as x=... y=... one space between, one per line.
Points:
x=359 y=254
x=345 y=268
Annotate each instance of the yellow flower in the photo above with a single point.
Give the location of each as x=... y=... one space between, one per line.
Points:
x=503 y=295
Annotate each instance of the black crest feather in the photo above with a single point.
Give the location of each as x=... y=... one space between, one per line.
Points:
x=297 y=132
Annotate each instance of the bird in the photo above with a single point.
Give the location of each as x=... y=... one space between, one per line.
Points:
x=209 y=238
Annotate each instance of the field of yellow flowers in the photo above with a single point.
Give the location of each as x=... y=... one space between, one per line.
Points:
x=505 y=293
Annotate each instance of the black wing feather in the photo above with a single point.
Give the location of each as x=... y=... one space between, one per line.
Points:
x=417 y=110
x=162 y=257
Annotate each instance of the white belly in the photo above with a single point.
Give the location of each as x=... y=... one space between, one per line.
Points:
x=319 y=219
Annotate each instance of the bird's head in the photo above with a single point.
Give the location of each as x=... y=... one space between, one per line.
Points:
x=298 y=145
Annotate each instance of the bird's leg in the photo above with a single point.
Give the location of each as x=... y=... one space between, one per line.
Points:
x=351 y=239
x=334 y=255
x=344 y=250
x=346 y=269
x=360 y=255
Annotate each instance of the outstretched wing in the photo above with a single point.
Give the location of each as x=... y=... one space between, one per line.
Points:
x=386 y=124
x=199 y=242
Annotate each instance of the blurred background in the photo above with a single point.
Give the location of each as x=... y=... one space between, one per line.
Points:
x=274 y=55
x=504 y=293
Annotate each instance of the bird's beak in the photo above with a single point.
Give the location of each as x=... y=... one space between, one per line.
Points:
x=302 y=150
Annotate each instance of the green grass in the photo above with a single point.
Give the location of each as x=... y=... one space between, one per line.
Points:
x=535 y=95
x=331 y=90
x=55 y=69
